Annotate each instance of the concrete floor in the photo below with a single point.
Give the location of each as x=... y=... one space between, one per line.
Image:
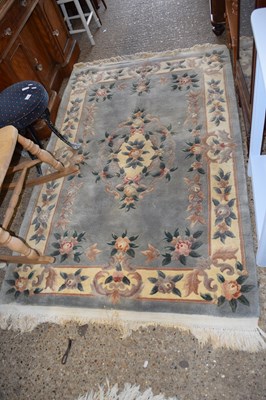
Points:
x=30 y=363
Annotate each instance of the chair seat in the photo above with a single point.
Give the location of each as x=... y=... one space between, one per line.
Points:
x=22 y=103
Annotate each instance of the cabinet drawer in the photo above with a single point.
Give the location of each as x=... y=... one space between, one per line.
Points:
x=17 y=13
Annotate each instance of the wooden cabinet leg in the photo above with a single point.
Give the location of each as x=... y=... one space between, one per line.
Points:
x=217 y=11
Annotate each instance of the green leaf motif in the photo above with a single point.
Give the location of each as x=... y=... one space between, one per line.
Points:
x=183 y=259
x=167 y=259
x=64 y=275
x=242 y=299
x=63 y=257
x=194 y=254
x=30 y=274
x=131 y=252
x=221 y=300
x=62 y=287
x=153 y=280
x=241 y=279
x=197 y=234
x=154 y=290
x=246 y=288
x=177 y=278
x=113 y=252
x=80 y=287
x=108 y=280
x=161 y=274
x=233 y=305
x=239 y=266
x=37 y=290
x=196 y=245
x=9 y=291
x=206 y=296
x=176 y=292
x=10 y=282
x=220 y=278
x=125 y=280
x=215 y=202
x=16 y=275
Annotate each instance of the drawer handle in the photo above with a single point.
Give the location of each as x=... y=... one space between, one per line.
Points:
x=56 y=32
x=23 y=3
x=38 y=66
x=8 y=32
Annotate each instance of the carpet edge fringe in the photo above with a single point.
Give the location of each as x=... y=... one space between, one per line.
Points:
x=129 y=392
x=235 y=334
x=148 y=54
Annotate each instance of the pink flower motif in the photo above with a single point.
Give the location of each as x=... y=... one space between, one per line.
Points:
x=21 y=284
x=185 y=80
x=101 y=92
x=122 y=244
x=66 y=245
x=231 y=290
x=118 y=276
x=196 y=149
x=182 y=246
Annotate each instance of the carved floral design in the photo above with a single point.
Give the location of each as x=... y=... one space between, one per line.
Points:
x=136 y=159
x=102 y=93
x=141 y=87
x=68 y=245
x=73 y=280
x=181 y=246
x=184 y=81
x=165 y=284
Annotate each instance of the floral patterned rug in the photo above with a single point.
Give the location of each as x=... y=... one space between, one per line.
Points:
x=155 y=228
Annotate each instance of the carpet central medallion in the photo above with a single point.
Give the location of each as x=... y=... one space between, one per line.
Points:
x=135 y=156
x=156 y=224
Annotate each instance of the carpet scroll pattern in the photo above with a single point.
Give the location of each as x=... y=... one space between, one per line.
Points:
x=157 y=218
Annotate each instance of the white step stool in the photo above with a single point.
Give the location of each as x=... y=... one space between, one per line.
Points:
x=84 y=17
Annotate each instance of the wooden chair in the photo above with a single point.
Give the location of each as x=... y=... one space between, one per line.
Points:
x=9 y=137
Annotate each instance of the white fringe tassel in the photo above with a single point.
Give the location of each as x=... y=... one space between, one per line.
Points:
x=128 y=393
x=231 y=333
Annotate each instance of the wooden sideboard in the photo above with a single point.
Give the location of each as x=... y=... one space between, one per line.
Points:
x=35 y=45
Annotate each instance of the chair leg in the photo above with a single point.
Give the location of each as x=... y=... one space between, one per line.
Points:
x=29 y=255
x=47 y=119
x=35 y=138
x=104 y=4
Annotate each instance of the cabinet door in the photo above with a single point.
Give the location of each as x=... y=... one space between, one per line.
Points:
x=57 y=37
x=23 y=63
x=39 y=55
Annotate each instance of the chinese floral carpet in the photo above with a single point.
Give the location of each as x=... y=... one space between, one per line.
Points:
x=155 y=227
